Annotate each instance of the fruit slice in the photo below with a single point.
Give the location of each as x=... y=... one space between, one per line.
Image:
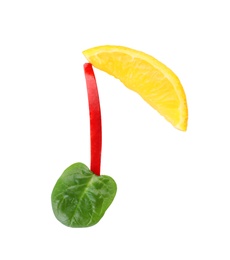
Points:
x=142 y=73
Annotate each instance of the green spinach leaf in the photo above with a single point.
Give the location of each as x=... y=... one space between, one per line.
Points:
x=80 y=198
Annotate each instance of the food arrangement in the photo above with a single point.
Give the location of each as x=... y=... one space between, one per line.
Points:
x=81 y=195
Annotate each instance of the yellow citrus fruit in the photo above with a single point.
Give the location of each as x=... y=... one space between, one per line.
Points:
x=147 y=76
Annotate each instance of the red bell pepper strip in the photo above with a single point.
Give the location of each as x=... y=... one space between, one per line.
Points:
x=95 y=119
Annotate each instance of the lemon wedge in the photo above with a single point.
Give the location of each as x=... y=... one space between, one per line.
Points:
x=142 y=73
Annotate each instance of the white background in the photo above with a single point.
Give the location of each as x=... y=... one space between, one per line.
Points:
x=173 y=199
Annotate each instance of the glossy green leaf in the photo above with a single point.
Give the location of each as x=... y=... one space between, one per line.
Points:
x=80 y=198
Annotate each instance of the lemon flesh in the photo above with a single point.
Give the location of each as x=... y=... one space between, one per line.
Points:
x=142 y=73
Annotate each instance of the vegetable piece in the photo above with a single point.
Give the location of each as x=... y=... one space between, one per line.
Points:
x=95 y=119
x=80 y=198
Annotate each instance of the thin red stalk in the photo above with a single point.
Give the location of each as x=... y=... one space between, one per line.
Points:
x=95 y=119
